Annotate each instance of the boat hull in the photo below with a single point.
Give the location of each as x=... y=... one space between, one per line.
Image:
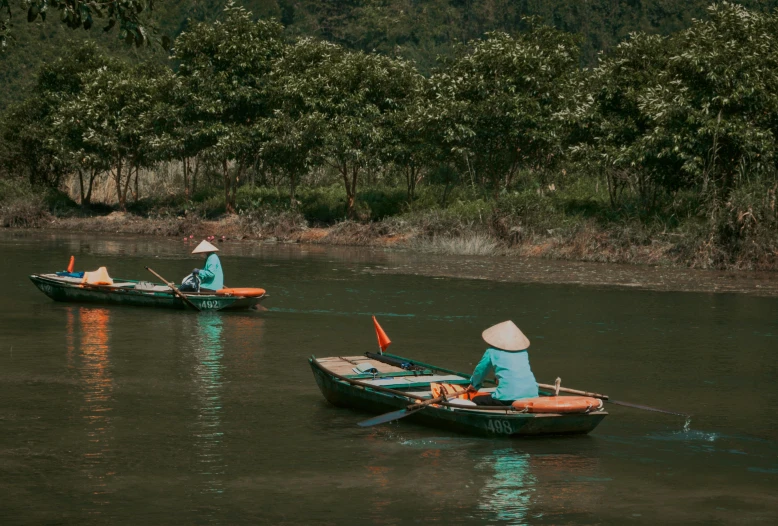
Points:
x=70 y=292
x=491 y=423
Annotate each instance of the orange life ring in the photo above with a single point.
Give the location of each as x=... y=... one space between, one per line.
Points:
x=245 y=292
x=558 y=404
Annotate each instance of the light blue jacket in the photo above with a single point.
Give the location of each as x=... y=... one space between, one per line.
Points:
x=211 y=275
x=511 y=368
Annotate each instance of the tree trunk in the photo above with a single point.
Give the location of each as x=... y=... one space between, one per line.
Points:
x=240 y=170
x=412 y=179
x=81 y=185
x=118 y=179
x=350 y=182
x=137 y=190
x=123 y=202
x=92 y=177
x=194 y=175
x=185 y=164
x=292 y=185
x=227 y=203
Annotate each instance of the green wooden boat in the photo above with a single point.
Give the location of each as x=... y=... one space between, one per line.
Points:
x=395 y=385
x=136 y=293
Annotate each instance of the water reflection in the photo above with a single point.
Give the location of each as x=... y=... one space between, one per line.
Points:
x=208 y=376
x=507 y=494
x=94 y=368
x=524 y=487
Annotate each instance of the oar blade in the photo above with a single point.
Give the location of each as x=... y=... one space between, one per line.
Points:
x=387 y=417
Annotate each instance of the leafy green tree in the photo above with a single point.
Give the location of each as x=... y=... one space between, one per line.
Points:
x=111 y=117
x=131 y=15
x=225 y=70
x=47 y=151
x=411 y=142
x=355 y=95
x=609 y=121
x=295 y=129
x=496 y=103
x=714 y=108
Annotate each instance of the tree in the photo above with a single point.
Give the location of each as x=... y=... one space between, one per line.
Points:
x=45 y=149
x=350 y=96
x=609 y=120
x=411 y=144
x=131 y=15
x=713 y=110
x=111 y=116
x=224 y=68
x=495 y=105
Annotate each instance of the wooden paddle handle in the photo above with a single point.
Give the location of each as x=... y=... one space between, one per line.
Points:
x=175 y=290
x=441 y=398
x=573 y=391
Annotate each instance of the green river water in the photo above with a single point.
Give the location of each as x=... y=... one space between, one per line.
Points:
x=122 y=415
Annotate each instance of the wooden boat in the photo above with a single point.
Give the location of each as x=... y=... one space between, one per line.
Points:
x=137 y=293
x=395 y=385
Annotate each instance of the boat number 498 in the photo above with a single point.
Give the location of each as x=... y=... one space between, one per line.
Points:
x=499 y=426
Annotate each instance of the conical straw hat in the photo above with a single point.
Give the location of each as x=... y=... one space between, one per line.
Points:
x=204 y=246
x=505 y=336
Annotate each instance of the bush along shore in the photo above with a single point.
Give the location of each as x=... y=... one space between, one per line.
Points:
x=552 y=223
x=664 y=153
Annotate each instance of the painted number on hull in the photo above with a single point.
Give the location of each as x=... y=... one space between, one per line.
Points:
x=209 y=304
x=499 y=426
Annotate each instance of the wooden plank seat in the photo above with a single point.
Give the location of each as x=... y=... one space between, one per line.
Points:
x=405 y=382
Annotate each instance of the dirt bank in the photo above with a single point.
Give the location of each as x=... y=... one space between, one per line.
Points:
x=585 y=244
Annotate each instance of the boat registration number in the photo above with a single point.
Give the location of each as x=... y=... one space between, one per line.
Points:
x=499 y=426
x=209 y=304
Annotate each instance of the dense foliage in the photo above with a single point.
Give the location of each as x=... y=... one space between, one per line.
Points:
x=678 y=129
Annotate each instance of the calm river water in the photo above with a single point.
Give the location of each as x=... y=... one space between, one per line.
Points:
x=127 y=415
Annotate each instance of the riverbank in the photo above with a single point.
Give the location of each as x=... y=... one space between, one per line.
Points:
x=576 y=223
x=586 y=243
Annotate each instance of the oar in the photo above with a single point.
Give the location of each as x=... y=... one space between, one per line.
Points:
x=175 y=290
x=413 y=408
x=606 y=398
x=647 y=408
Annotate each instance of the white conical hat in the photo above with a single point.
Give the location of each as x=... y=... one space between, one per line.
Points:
x=204 y=246
x=505 y=336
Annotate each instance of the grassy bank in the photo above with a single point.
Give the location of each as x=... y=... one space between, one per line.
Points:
x=574 y=222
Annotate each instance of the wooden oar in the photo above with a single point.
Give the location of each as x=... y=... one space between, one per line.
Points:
x=606 y=398
x=392 y=360
x=647 y=408
x=413 y=408
x=552 y=388
x=175 y=290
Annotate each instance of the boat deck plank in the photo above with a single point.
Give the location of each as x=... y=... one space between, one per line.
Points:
x=344 y=365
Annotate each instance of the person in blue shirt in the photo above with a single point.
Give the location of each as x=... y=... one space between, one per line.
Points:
x=211 y=275
x=507 y=358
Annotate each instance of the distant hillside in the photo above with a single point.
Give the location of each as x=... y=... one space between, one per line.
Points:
x=420 y=30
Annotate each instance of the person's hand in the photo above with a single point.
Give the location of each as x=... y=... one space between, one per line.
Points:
x=471 y=389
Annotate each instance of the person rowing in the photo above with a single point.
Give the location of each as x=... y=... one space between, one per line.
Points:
x=211 y=276
x=507 y=357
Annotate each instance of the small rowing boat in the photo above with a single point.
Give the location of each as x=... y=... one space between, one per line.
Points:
x=143 y=294
x=380 y=383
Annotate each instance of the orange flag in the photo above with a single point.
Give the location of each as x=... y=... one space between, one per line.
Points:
x=72 y=262
x=383 y=339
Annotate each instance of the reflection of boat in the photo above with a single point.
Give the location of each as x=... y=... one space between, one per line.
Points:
x=209 y=379
x=139 y=293
x=87 y=334
x=389 y=387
